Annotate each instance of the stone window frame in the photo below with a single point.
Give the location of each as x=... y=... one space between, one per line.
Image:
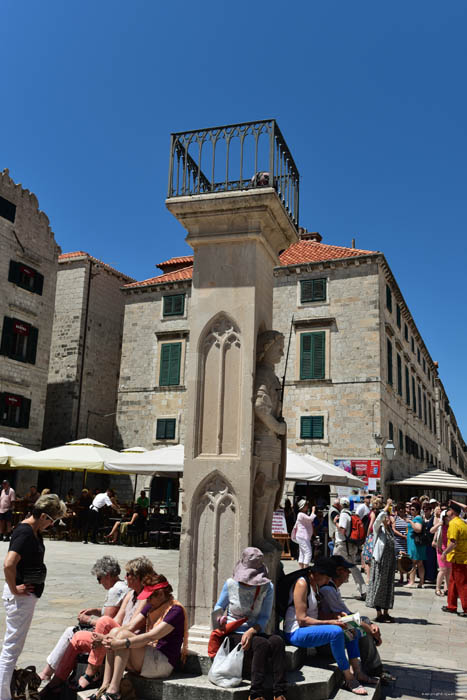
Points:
x=313 y=326
x=306 y=304
x=168 y=416
x=164 y=338
x=314 y=441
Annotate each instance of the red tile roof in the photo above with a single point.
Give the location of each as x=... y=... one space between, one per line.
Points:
x=66 y=257
x=297 y=254
x=185 y=273
x=176 y=263
x=311 y=251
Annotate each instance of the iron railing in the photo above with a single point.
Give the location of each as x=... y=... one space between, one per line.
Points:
x=234 y=157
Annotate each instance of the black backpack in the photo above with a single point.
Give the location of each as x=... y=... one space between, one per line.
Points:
x=283 y=586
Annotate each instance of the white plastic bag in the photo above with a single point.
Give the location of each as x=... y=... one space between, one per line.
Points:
x=226 y=669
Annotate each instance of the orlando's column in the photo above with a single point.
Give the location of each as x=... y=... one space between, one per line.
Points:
x=232 y=470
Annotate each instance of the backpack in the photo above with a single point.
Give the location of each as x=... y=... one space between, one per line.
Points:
x=284 y=584
x=357 y=530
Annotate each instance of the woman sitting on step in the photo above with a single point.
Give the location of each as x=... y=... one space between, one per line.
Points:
x=303 y=628
x=153 y=653
x=249 y=594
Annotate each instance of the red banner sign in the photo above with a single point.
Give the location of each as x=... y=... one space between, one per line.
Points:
x=370 y=468
x=21 y=328
x=12 y=400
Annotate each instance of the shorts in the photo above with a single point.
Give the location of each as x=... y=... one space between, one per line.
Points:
x=6 y=516
x=155 y=664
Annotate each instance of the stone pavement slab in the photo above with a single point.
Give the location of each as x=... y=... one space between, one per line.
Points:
x=426 y=649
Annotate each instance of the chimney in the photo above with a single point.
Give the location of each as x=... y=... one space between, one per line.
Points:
x=309 y=235
x=353 y=242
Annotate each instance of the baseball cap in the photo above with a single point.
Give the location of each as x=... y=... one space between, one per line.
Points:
x=432 y=500
x=149 y=590
x=345 y=502
x=323 y=565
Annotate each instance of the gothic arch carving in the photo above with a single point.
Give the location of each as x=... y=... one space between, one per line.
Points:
x=220 y=373
x=215 y=540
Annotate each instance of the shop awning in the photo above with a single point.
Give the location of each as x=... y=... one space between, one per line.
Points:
x=433 y=479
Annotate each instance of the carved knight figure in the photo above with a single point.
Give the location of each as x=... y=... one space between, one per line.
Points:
x=270 y=439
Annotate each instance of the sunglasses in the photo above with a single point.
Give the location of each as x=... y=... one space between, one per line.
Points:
x=50 y=518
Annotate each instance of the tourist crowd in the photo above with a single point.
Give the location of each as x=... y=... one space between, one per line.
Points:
x=140 y=627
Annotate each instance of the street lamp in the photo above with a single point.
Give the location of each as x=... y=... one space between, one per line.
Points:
x=389 y=450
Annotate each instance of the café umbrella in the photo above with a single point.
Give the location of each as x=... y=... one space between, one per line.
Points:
x=80 y=455
x=10 y=448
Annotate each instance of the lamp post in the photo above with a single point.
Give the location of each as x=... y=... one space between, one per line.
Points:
x=389 y=452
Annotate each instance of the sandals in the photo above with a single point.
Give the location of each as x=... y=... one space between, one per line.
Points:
x=388 y=618
x=354 y=687
x=111 y=696
x=90 y=680
x=98 y=695
x=439 y=593
x=380 y=618
x=369 y=680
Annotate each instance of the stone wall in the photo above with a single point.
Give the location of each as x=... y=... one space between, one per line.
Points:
x=141 y=401
x=28 y=240
x=86 y=347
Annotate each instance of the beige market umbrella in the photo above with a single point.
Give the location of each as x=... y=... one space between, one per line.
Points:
x=165 y=461
x=10 y=448
x=305 y=467
x=79 y=455
x=433 y=479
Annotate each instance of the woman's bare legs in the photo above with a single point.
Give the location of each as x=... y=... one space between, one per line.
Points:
x=122 y=659
x=113 y=534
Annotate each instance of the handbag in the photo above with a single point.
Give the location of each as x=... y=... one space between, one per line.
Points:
x=25 y=684
x=293 y=534
x=226 y=669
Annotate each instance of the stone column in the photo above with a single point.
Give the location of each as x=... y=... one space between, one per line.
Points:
x=236 y=238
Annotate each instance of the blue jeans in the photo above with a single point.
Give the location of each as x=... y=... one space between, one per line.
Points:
x=319 y=635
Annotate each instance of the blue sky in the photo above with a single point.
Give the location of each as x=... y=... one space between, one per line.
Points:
x=370 y=97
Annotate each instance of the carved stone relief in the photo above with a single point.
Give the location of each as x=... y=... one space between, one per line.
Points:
x=219 y=393
x=215 y=542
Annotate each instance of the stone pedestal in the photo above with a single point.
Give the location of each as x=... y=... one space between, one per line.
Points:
x=236 y=238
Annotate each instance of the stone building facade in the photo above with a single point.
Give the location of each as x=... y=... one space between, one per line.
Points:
x=358 y=371
x=28 y=270
x=85 y=351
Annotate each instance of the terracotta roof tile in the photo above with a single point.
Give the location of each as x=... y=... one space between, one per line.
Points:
x=185 y=273
x=298 y=253
x=65 y=257
x=311 y=251
x=176 y=262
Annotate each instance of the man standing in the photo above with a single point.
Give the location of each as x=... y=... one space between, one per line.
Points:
x=456 y=553
x=7 y=503
x=346 y=549
x=101 y=500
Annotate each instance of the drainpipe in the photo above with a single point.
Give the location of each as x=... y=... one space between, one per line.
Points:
x=81 y=374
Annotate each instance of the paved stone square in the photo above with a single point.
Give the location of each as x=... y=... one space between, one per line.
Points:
x=426 y=650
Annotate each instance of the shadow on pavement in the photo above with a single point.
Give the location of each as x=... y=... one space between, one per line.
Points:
x=416 y=621
x=424 y=683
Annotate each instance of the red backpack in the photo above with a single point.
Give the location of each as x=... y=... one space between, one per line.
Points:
x=357 y=530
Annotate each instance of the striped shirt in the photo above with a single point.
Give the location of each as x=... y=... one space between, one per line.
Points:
x=401 y=543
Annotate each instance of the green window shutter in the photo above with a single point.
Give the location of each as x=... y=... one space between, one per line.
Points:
x=39 y=283
x=313 y=355
x=407 y=386
x=13 y=272
x=313 y=290
x=25 y=413
x=389 y=352
x=414 y=397
x=6 y=346
x=169 y=374
x=391 y=431
x=312 y=427
x=398 y=315
x=399 y=375
x=401 y=441
x=31 y=349
x=174 y=305
x=388 y=298
x=165 y=429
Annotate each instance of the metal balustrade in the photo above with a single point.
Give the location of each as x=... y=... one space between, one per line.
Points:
x=232 y=158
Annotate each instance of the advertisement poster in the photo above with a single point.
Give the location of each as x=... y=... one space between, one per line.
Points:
x=368 y=470
x=279 y=526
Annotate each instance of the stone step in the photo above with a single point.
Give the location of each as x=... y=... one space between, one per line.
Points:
x=305 y=683
x=199 y=663
x=374 y=693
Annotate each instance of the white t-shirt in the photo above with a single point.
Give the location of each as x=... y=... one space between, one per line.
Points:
x=361 y=510
x=345 y=522
x=115 y=595
x=100 y=501
x=290 y=620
